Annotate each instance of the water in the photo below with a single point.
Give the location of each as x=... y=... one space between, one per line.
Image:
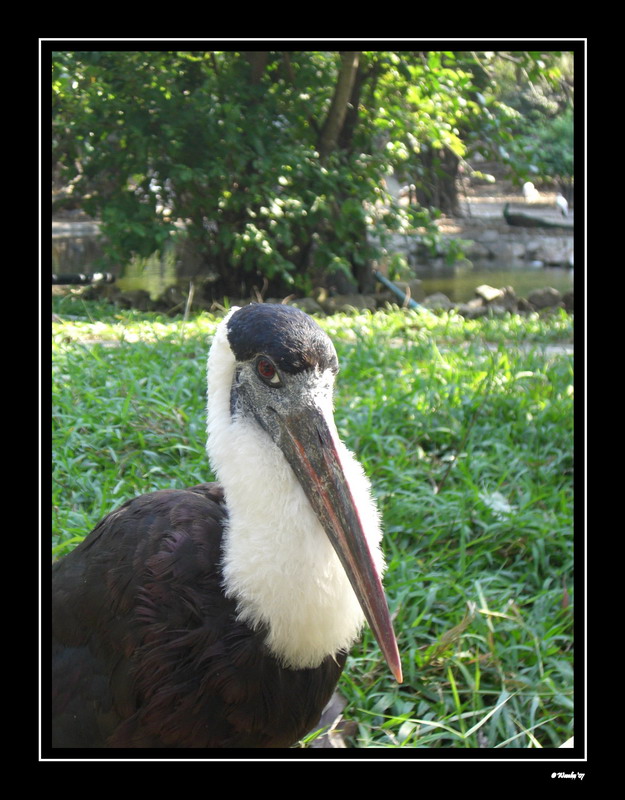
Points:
x=76 y=248
x=459 y=282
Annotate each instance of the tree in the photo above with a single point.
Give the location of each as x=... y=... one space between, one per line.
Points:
x=459 y=108
x=261 y=168
x=242 y=147
x=537 y=89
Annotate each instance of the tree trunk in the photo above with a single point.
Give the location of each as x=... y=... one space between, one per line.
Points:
x=258 y=61
x=436 y=184
x=333 y=125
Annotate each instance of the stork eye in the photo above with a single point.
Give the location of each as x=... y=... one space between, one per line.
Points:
x=268 y=372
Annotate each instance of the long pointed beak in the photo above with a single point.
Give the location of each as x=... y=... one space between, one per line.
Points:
x=309 y=448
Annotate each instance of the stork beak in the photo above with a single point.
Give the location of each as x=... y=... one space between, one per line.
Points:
x=310 y=449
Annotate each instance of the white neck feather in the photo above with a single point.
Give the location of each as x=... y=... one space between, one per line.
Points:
x=277 y=560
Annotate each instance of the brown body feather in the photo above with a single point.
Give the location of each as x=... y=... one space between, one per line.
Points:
x=147 y=650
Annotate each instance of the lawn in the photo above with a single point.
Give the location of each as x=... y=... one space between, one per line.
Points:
x=466 y=430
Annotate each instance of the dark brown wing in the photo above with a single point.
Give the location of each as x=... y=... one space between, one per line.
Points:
x=147 y=651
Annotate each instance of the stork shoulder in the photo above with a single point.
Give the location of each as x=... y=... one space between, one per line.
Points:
x=133 y=584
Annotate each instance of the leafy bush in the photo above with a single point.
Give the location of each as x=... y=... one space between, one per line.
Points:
x=549 y=145
x=269 y=165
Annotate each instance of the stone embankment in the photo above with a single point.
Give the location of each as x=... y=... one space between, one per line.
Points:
x=487 y=300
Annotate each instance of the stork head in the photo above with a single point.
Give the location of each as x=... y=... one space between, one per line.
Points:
x=272 y=368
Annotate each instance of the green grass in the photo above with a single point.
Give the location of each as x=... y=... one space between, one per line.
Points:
x=465 y=428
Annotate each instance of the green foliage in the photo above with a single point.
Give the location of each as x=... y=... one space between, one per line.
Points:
x=548 y=146
x=229 y=150
x=465 y=427
x=537 y=89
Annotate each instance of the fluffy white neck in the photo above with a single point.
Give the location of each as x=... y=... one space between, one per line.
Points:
x=277 y=560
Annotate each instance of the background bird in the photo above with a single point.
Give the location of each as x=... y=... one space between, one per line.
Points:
x=530 y=193
x=562 y=204
x=221 y=615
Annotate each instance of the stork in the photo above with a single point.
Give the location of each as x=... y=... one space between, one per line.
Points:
x=220 y=615
x=562 y=204
x=530 y=193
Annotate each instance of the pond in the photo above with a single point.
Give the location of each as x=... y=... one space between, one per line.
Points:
x=458 y=282
x=76 y=248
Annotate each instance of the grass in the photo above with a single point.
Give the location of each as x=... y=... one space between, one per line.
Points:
x=465 y=428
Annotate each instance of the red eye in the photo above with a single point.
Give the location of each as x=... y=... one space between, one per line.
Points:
x=267 y=371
